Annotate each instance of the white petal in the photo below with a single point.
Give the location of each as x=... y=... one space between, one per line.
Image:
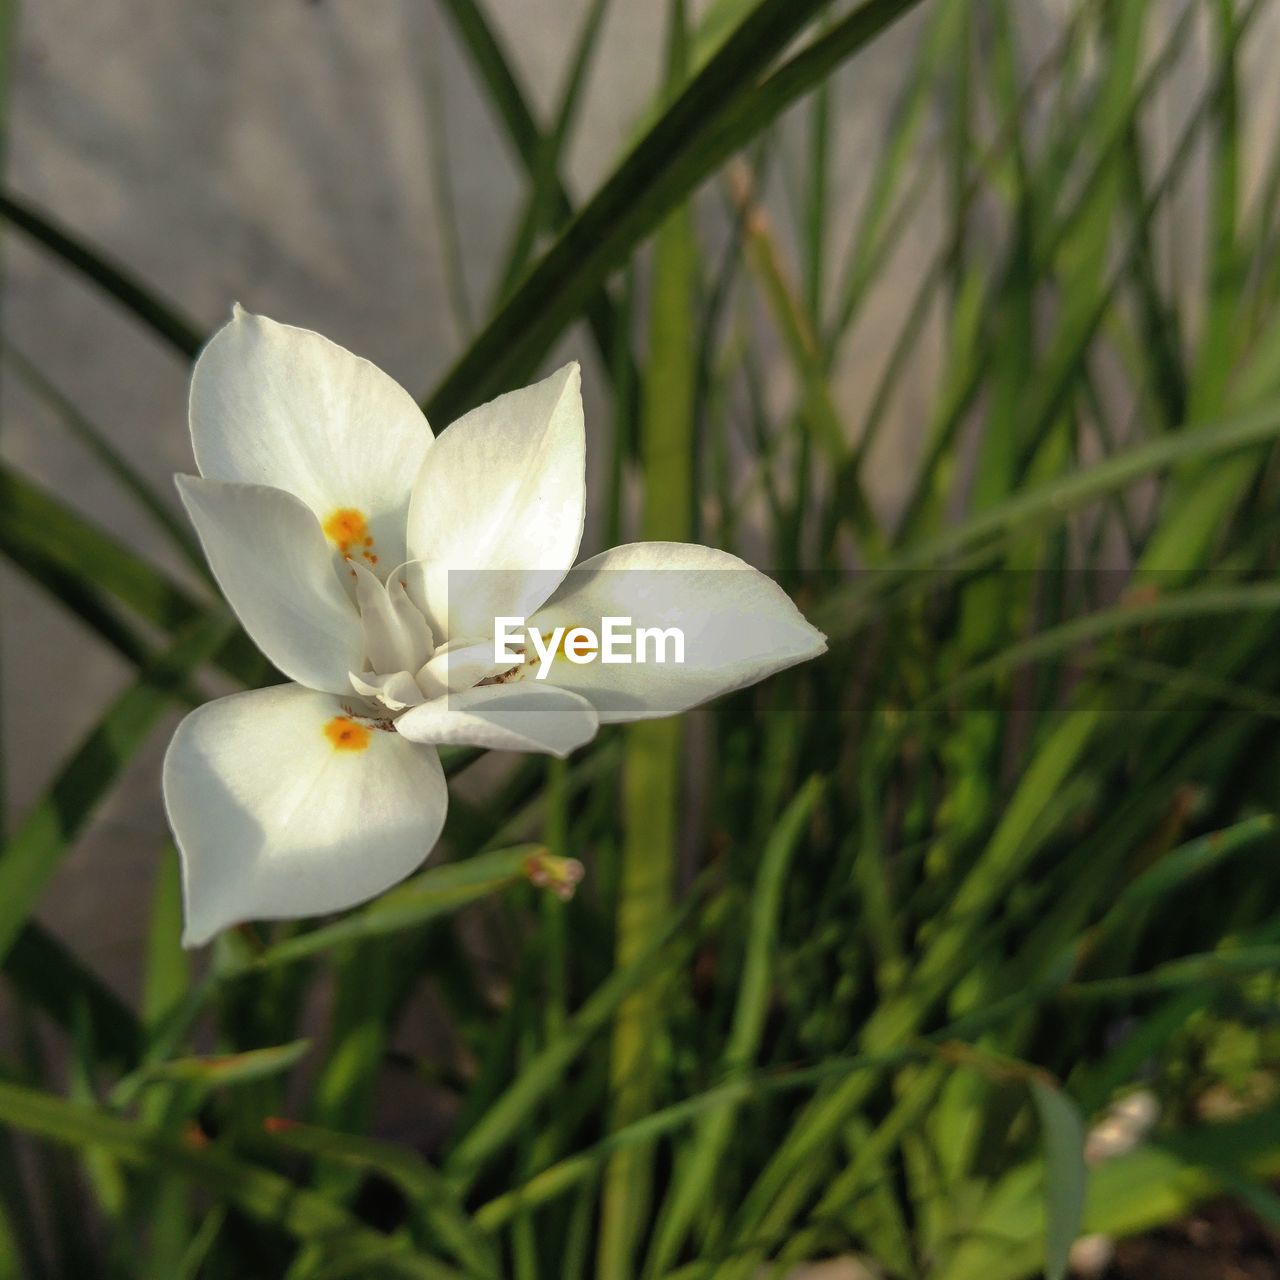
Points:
x=457 y=667
x=504 y=717
x=738 y=625
x=396 y=635
x=275 y=405
x=275 y=820
x=502 y=492
x=278 y=573
x=395 y=691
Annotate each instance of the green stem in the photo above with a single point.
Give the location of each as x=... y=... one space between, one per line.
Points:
x=651 y=789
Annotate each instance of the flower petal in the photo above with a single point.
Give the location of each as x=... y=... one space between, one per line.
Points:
x=285 y=407
x=396 y=635
x=278 y=573
x=283 y=806
x=514 y=717
x=395 y=691
x=502 y=492
x=738 y=626
x=456 y=667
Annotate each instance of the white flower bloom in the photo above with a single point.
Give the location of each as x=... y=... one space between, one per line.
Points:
x=332 y=521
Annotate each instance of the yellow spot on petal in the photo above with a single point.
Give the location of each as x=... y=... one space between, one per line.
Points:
x=346 y=528
x=345 y=734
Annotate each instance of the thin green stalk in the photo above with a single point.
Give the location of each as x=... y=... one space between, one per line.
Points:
x=705 y=1151
x=652 y=764
x=445 y=202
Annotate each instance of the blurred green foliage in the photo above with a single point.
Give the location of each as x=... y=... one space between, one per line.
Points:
x=1004 y=855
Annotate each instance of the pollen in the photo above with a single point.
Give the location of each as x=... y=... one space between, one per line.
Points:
x=347 y=528
x=345 y=734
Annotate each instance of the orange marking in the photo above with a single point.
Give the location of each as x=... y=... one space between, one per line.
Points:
x=346 y=527
x=346 y=735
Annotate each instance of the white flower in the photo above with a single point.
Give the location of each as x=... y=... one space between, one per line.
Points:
x=332 y=521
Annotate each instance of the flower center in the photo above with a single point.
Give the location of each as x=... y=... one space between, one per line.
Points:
x=345 y=734
x=348 y=530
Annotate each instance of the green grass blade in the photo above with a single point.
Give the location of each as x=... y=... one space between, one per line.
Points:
x=38 y=531
x=168 y=969
x=263 y=1195
x=1065 y=1175
x=1049 y=504
x=163 y=514
x=427 y=896
x=49 y=977
x=718 y=112
x=228 y=1069
x=653 y=752
x=32 y=854
x=431 y=1197
x=157 y=314
x=819 y=414
x=705 y=1152
x=1153 y=1185
x=543 y=1073
x=527 y=139
x=444 y=200
x=545 y=207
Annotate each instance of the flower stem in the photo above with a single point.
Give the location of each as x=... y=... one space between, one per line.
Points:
x=651 y=790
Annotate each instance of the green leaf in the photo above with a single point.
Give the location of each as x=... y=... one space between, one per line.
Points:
x=49 y=977
x=532 y=150
x=168 y=969
x=36 y=529
x=159 y=315
x=263 y=1195
x=652 y=759
x=543 y=1073
x=547 y=206
x=1065 y=1175
x=1046 y=505
x=163 y=514
x=1157 y=1183
x=427 y=896
x=31 y=856
x=720 y=110
x=703 y=1155
x=431 y=1197
x=213 y=1072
